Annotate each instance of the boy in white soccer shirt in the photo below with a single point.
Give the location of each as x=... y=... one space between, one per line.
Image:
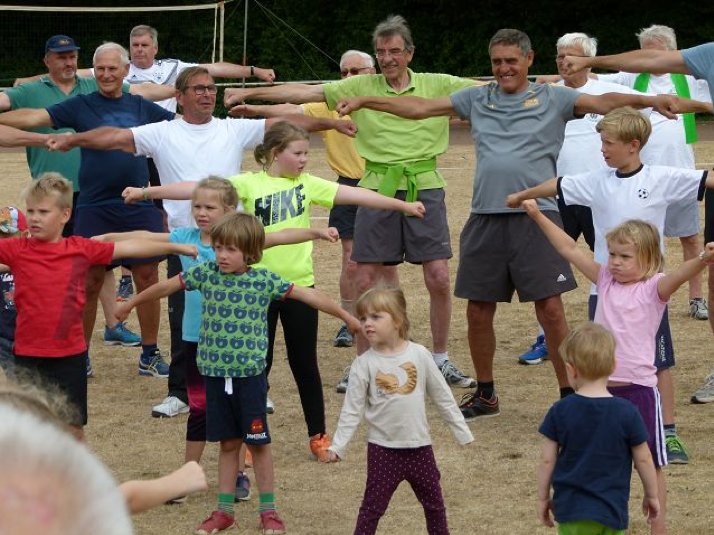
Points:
x=626 y=190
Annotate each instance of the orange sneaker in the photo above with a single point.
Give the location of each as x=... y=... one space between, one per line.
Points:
x=318 y=446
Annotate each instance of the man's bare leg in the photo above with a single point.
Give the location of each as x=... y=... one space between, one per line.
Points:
x=551 y=315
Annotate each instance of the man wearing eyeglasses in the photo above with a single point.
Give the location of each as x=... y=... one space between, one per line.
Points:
x=400 y=162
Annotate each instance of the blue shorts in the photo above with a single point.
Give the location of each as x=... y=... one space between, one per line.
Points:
x=95 y=220
x=664 y=349
x=240 y=415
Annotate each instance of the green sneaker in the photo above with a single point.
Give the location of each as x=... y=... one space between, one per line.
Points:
x=676 y=452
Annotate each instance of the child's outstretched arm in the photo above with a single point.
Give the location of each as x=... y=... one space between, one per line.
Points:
x=668 y=284
x=548 y=456
x=549 y=188
x=149 y=248
x=563 y=243
x=317 y=299
x=645 y=468
x=143 y=495
x=372 y=199
x=288 y=236
x=181 y=191
x=152 y=293
x=133 y=235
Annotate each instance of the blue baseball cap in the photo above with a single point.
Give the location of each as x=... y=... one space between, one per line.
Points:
x=60 y=43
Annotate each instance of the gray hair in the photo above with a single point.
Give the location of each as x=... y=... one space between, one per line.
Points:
x=584 y=41
x=368 y=59
x=391 y=26
x=105 y=47
x=73 y=486
x=143 y=29
x=659 y=33
x=509 y=36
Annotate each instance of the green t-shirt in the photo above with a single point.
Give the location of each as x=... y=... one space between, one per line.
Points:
x=387 y=139
x=280 y=203
x=43 y=93
x=233 y=338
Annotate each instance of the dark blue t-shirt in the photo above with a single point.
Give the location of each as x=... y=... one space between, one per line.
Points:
x=8 y=313
x=103 y=174
x=591 y=480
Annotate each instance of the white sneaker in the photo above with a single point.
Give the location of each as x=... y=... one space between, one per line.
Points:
x=698 y=309
x=269 y=407
x=171 y=406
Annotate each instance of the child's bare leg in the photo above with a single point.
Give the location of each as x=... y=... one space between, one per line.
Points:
x=665 y=386
x=659 y=526
x=241 y=457
x=228 y=466
x=263 y=467
x=194 y=450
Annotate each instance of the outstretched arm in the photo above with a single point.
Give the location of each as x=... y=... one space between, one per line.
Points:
x=317 y=299
x=645 y=468
x=653 y=61
x=316 y=124
x=564 y=244
x=102 y=138
x=224 y=69
x=295 y=93
x=143 y=495
x=289 y=236
x=153 y=92
x=268 y=111
x=548 y=456
x=12 y=137
x=409 y=107
x=371 y=199
x=669 y=284
x=147 y=248
x=180 y=191
x=667 y=105
x=152 y=293
x=549 y=188
x=26 y=118
x=136 y=234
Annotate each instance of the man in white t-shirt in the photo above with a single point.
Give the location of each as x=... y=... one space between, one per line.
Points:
x=669 y=145
x=190 y=148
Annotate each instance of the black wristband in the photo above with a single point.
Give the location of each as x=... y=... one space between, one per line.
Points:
x=252 y=70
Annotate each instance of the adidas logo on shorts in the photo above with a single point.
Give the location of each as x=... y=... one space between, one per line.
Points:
x=561 y=278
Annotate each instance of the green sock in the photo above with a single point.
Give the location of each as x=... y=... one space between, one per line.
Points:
x=267 y=502
x=225 y=503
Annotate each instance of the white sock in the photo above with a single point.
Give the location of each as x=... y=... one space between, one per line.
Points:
x=441 y=358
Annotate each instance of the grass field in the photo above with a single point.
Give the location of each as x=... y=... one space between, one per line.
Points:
x=489 y=486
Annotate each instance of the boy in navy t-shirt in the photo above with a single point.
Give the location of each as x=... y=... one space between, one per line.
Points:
x=591 y=440
x=12 y=225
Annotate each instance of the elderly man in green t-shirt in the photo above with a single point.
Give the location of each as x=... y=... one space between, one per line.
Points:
x=400 y=162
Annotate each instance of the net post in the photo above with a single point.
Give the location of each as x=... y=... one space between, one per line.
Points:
x=222 y=7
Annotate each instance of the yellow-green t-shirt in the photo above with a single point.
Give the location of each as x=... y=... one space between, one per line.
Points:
x=342 y=155
x=387 y=139
x=280 y=203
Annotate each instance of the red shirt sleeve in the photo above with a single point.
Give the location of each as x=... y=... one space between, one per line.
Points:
x=98 y=252
x=8 y=250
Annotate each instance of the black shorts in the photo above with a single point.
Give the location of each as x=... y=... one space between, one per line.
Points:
x=69 y=374
x=68 y=229
x=240 y=415
x=106 y=218
x=708 y=215
x=501 y=253
x=342 y=216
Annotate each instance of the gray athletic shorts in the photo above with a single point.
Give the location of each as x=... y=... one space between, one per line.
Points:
x=682 y=219
x=501 y=253
x=389 y=237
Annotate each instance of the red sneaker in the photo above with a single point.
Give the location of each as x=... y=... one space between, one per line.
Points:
x=319 y=445
x=218 y=521
x=271 y=523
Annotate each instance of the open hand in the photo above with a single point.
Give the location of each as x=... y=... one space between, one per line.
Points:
x=348 y=105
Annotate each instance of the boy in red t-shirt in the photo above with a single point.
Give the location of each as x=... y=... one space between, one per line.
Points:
x=50 y=273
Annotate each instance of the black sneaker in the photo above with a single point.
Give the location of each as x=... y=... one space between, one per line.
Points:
x=343 y=338
x=473 y=406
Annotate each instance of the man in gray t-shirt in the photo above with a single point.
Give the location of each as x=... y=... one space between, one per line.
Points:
x=699 y=62
x=518 y=129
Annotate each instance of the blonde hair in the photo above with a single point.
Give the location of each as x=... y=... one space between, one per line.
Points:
x=276 y=140
x=645 y=237
x=226 y=192
x=386 y=299
x=590 y=349
x=243 y=231
x=53 y=184
x=626 y=124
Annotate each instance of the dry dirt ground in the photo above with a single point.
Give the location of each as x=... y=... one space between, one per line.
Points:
x=489 y=487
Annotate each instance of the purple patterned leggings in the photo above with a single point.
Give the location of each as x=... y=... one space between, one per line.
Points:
x=386 y=469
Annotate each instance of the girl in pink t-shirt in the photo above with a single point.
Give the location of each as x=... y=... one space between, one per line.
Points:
x=632 y=294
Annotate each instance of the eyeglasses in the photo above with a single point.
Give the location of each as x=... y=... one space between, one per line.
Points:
x=394 y=52
x=353 y=71
x=201 y=89
x=560 y=57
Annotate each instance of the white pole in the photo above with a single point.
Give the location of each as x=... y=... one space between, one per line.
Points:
x=223 y=21
x=245 y=37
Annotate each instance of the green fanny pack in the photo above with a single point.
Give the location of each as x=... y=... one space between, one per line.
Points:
x=393 y=174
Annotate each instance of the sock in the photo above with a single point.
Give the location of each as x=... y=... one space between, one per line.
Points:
x=126 y=278
x=225 y=503
x=566 y=391
x=541 y=332
x=670 y=430
x=267 y=502
x=148 y=349
x=441 y=358
x=485 y=390
x=348 y=305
